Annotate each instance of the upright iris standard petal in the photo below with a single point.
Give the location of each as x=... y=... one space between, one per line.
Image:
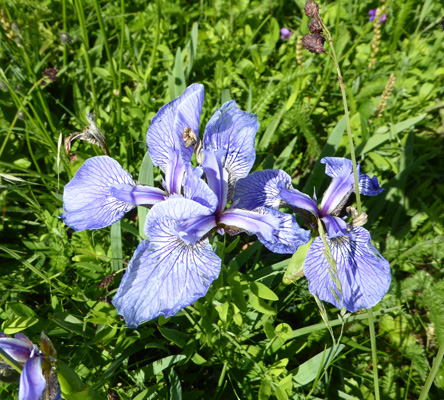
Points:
x=288 y=237
x=165 y=275
x=196 y=189
x=335 y=226
x=217 y=176
x=165 y=133
x=233 y=131
x=343 y=184
x=175 y=169
x=364 y=274
x=87 y=198
x=32 y=381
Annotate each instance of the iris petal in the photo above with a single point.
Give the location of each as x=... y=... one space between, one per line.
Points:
x=196 y=189
x=217 y=176
x=177 y=208
x=261 y=189
x=18 y=349
x=288 y=237
x=335 y=226
x=165 y=133
x=369 y=187
x=32 y=382
x=364 y=274
x=233 y=131
x=250 y=222
x=87 y=200
x=137 y=195
x=165 y=275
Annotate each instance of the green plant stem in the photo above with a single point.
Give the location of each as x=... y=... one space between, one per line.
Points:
x=10 y=361
x=108 y=51
x=65 y=29
x=122 y=42
x=371 y=326
x=432 y=373
x=346 y=113
x=81 y=16
x=156 y=42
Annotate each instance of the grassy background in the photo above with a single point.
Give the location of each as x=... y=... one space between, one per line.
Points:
x=252 y=336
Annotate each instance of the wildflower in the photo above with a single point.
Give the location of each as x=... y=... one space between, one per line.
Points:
x=102 y=192
x=373 y=14
x=33 y=382
x=176 y=264
x=363 y=273
x=286 y=33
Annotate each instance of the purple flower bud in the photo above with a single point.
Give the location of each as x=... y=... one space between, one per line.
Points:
x=372 y=14
x=286 y=33
x=383 y=18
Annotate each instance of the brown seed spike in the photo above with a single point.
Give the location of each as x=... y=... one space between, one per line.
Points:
x=311 y=9
x=314 y=43
x=314 y=26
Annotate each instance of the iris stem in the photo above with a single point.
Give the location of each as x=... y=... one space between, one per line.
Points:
x=371 y=326
x=346 y=113
x=10 y=361
x=432 y=373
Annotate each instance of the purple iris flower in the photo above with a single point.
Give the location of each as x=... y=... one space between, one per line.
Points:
x=364 y=274
x=102 y=192
x=32 y=382
x=176 y=264
x=286 y=33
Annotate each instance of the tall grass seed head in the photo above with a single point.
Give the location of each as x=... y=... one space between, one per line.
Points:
x=314 y=26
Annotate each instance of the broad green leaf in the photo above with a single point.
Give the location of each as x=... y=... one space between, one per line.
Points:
x=295 y=268
x=260 y=305
x=309 y=370
x=265 y=389
x=271 y=129
x=21 y=310
x=162 y=364
x=262 y=291
x=179 y=75
x=15 y=325
x=177 y=337
x=175 y=386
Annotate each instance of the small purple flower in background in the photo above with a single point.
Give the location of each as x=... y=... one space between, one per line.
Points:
x=33 y=382
x=286 y=33
x=363 y=273
x=382 y=18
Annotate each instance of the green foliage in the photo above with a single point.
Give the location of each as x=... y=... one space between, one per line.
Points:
x=253 y=335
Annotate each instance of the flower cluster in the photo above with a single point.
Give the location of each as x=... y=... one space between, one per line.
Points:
x=176 y=264
x=37 y=379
